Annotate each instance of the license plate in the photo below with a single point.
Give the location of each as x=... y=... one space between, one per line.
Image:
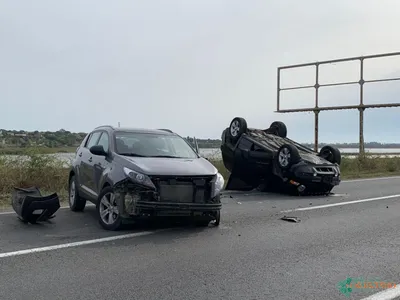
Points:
x=176 y=193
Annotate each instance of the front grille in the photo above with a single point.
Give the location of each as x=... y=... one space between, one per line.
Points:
x=325 y=170
x=183 y=189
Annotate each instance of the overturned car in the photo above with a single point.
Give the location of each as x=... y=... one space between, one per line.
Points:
x=266 y=159
x=139 y=173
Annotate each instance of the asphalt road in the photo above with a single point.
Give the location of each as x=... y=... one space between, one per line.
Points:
x=252 y=255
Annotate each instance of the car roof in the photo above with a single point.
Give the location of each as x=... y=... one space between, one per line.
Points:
x=136 y=130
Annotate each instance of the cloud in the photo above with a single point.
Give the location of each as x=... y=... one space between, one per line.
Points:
x=188 y=65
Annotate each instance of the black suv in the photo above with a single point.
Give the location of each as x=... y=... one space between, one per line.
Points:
x=132 y=173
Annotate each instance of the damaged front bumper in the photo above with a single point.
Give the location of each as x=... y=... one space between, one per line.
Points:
x=314 y=179
x=134 y=200
x=317 y=174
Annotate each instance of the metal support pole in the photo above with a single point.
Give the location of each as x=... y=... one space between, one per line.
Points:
x=279 y=89
x=361 y=142
x=361 y=109
x=316 y=131
x=316 y=112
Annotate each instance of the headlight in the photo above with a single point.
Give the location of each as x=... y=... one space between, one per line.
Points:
x=307 y=169
x=219 y=184
x=139 y=178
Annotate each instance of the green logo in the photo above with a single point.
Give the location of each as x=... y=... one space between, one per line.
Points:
x=346 y=287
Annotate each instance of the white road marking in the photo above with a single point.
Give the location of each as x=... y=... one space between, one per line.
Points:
x=370 y=179
x=342 y=203
x=76 y=244
x=388 y=294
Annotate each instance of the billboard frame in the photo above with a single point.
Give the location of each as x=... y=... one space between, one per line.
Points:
x=317 y=109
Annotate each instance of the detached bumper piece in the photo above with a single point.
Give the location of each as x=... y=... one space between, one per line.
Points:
x=32 y=207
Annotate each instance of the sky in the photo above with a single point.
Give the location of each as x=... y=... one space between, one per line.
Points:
x=193 y=65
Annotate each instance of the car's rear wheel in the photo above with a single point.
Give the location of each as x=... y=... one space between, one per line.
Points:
x=237 y=127
x=331 y=154
x=107 y=210
x=278 y=128
x=76 y=203
x=287 y=156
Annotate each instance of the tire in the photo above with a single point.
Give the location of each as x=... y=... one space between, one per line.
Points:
x=331 y=154
x=278 y=128
x=237 y=127
x=76 y=203
x=217 y=218
x=106 y=201
x=287 y=156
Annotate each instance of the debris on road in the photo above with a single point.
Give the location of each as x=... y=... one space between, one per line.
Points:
x=291 y=219
x=32 y=207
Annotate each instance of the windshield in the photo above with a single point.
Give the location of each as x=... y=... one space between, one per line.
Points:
x=152 y=145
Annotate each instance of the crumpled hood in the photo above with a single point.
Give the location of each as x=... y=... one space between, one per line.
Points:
x=172 y=166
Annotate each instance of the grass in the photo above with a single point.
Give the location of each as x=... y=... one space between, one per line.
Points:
x=51 y=175
x=44 y=171
x=42 y=150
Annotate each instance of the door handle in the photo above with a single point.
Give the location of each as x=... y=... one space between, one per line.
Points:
x=90 y=159
x=80 y=154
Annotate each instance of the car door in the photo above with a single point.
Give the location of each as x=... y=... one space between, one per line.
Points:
x=259 y=160
x=100 y=163
x=86 y=165
x=251 y=160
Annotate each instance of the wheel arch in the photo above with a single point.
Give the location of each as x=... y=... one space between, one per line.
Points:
x=106 y=184
x=71 y=174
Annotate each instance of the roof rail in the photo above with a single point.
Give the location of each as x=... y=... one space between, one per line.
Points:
x=101 y=126
x=167 y=130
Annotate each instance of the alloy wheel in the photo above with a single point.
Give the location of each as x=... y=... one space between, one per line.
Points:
x=108 y=209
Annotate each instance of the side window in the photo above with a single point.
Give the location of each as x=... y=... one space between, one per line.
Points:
x=257 y=148
x=103 y=141
x=245 y=144
x=94 y=137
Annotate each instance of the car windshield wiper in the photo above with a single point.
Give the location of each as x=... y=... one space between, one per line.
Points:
x=132 y=154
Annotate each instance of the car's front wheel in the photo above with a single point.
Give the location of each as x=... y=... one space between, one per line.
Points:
x=287 y=156
x=107 y=209
x=217 y=218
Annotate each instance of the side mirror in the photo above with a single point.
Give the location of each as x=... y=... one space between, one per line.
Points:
x=98 y=150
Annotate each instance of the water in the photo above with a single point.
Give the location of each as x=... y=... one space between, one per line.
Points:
x=215 y=153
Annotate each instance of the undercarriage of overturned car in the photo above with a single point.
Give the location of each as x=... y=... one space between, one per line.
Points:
x=265 y=159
